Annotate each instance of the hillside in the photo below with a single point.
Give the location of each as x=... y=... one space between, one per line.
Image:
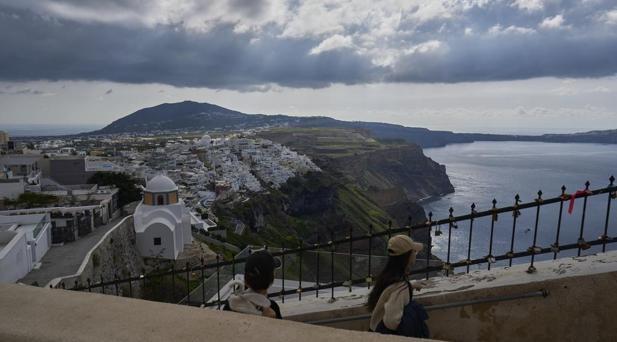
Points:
x=393 y=175
x=187 y=114
x=307 y=208
x=388 y=171
x=193 y=116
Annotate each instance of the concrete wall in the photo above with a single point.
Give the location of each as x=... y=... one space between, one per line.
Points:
x=580 y=305
x=39 y=314
x=42 y=242
x=114 y=254
x=15 y=261
x=11 y=189
x=66 y=171
x=577 y=309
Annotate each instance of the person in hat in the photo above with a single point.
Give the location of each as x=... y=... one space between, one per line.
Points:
x=251 y=296
x=390 y=301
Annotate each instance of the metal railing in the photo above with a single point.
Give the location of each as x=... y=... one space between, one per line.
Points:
x=344 y=276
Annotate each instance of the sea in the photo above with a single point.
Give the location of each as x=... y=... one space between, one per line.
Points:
x=483 y=171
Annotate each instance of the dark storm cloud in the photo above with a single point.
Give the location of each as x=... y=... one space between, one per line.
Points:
x=41 y=49
x=494 y=41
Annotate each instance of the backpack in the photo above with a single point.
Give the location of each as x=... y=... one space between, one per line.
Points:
x=413 y=322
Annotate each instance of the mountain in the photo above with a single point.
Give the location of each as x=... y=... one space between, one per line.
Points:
x=189 y=115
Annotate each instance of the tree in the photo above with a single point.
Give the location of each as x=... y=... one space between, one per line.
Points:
x=127 y=190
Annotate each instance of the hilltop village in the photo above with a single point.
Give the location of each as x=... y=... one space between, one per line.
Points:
x=48 y=187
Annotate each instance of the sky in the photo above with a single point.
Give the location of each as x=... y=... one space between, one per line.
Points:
x=504 y=66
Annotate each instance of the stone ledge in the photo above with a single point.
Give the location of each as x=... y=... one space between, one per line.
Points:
x=465 y=283
x=579 y=306
x=38 y=314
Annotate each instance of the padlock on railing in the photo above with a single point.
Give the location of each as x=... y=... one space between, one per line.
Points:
x=582 y=244
x=555 y=248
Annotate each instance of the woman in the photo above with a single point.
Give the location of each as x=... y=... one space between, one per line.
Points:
x=251 y=296
x=390 y=301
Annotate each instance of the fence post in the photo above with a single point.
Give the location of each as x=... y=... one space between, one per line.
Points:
x=471 y=219
x=581 y=241
x=534 y=248
x=515 y=214
x=203 y=281
x=143 y=285
x=489 y=258
x=604 y=237
x=116 y=284
x=89 y=285
x=555 y=246
x=317 y=247
x=173 y=282
x=451 y=218
x=300 y=272
x=429 y=243
x=188 y=283
x=130 y=285
x=283 y=274
x=218 y=281
x=350 y=257
x=369 y=277
x=332 y=266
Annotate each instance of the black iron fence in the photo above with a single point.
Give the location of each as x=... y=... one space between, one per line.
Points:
x=347 y=276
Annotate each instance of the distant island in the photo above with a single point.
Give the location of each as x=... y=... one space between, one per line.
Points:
x=189 y=115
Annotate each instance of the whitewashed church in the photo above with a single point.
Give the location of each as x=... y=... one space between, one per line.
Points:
x=162 y=222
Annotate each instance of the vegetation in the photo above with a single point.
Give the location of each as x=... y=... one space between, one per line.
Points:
x=32 y=200
x=127 y=190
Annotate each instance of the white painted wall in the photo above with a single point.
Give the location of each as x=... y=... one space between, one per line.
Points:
x=145 y=241
x=15 y=262
x=42 y=243
x=174 y=216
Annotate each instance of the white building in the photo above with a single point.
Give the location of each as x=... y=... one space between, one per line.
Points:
x=24 y=240
x=162 y=221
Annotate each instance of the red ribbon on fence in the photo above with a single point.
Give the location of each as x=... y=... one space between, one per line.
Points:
x=579 y=193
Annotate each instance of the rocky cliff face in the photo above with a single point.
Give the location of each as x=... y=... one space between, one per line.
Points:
x=116 y=255
x=396 y=174
x=393 y=175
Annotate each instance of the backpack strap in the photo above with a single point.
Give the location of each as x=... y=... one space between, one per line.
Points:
x=409 y=288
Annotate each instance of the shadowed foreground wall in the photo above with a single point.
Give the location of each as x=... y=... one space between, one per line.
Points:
x=29 y=313
x=581 y=305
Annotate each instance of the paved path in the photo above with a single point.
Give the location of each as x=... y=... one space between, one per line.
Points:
x=65 y=260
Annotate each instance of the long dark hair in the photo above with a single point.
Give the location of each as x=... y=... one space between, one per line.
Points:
x=394 y=271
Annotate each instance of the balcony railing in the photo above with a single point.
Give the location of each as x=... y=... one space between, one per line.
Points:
x=314 y=254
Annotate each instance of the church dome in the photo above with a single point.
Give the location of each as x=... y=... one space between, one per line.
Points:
x=161 y=183
x=204 y=141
